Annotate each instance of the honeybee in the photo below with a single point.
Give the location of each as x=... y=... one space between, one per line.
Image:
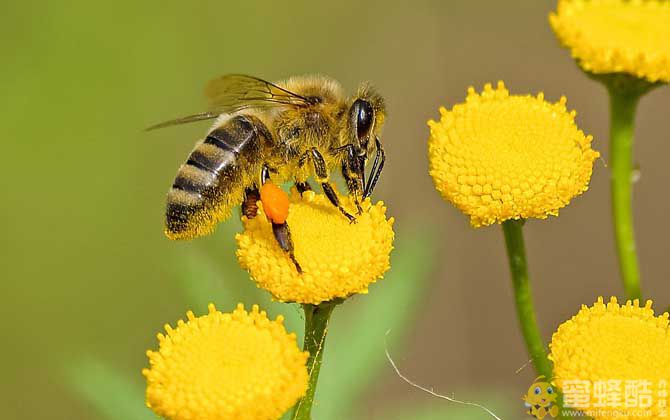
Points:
x=287 y=131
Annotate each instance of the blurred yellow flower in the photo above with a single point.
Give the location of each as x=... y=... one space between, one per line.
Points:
x=617 y=36
x=499 y=156
x=618 y=343
x=238 y=365
x=338 y=258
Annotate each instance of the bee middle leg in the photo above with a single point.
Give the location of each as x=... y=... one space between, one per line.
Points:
x=303 y=186
x=321 y=172
x=352 y=171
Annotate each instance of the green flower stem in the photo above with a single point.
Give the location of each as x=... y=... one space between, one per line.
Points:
x=623 y=104
x=316 y=328
x=516 y=253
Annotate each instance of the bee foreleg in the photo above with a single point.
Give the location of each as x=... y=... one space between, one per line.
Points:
x=361 y=164
x=283 y=236
x=321 y=172
x=377 y=166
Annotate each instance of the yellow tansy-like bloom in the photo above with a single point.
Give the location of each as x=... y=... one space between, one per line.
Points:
x=338 y=258
x=622 y=344
x=226 y=366
x=500 y=156
x=617 y=36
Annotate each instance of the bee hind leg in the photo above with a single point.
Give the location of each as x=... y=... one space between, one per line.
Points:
x=283 y=236
x=281 y=231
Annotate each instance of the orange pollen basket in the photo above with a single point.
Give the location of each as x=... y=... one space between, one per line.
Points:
x=275 y=203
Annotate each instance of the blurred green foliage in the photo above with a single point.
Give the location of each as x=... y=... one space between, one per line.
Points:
x=87 y=275
x=354 y=354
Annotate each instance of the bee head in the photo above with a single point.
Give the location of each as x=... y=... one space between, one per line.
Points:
x=366 y=117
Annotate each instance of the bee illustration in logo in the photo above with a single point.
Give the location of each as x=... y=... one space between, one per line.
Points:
x=541 y=400
x=284 y=132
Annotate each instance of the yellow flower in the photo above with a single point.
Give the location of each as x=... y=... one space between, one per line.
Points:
x=617 y=36
x=338 y=258
x=500 y=156
x=612 y=342
x=238 y=365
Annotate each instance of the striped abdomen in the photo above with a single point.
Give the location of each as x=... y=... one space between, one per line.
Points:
x=212 y=181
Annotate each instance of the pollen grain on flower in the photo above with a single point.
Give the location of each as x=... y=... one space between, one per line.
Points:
x=338 y=258
x=499 y=156
x=225 y=366
x=617 y=36
x=613 y=342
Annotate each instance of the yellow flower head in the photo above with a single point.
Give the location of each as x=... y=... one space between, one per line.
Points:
x=238 y=365
x=624 y=344
x=617 y=36
x=500 y=156
x=338 y=258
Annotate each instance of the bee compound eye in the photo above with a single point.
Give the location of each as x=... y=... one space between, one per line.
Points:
x=364 y=118
x=538 y=391
x=550 y=390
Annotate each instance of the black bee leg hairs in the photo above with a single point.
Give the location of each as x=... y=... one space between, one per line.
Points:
x=333 y=198
x=250 y=203
x=377 y=166
x=303 y=186
x=283 y=236
x=361 y=162
x=322 y=175
x=354 y=175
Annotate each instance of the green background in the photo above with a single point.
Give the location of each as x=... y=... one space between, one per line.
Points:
x=88 y=278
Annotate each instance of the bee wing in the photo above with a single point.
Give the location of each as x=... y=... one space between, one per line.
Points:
x=184 y=120
x=235 y=92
